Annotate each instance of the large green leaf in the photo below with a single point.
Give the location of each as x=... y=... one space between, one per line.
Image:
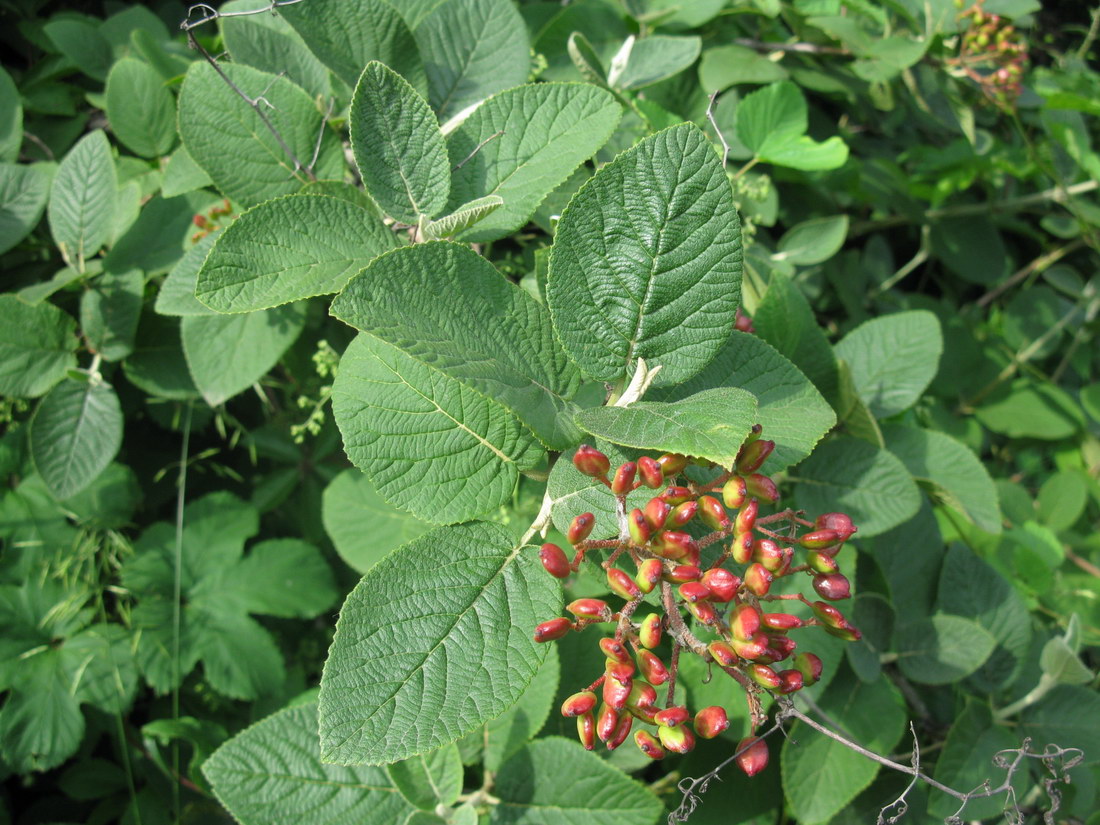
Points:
x=893 y=359
x=286 y=578
x=516 y=726
x=267 y=42
x=140 y=108
x=710 y=424
x=272 y=774
x=531 y=139
x=419 y=660
x=1030 y=409
x=349 y=502
x=274 y=254
x=812 y=241
x=40 y=724
x=177 y=291
x=489 y=334
x=942 y=649
x=644 y=61
x=791 y=410
x=82 y=199
x=858 y=478
x=949 y=467
x=11 y=119
x=1069 y=717
x=229 y=141
x=24 y=190
x=347 y=36
x=398 y=146
x=227 y=354
x=772 y=123
x=646 y=261
x=75 y=432
x=476 y=48
x=37 y=346
x=429 y=779
x=109 y=313
x=430 y=444
x=820 y=775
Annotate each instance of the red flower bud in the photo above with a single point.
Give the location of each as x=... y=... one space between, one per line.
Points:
x=713 y=514
x=622 y=730
x=623 y=482
x=616 y=690
x=591 y=461
x=677 y=495
x=586 y=731
x=744 y=622
x=781 y=622
x=819 y=539
x=649 y=573
x=721 y=583
x=684 y=573
x=711 y=721
x=656 y=512
x=810 y=666
x=581 y=528
x=741 y=549
x=792 y=681
x=639 y=528
x=682 y=514
x=650 y=471
x=615 y=651
x=674 y=545
x=722 y=653
x=653 y=670
x=742 y=322
x=758 y=579
x=753 y=755
x=752 y=649
x=746 y=517
x=765 y=676
x=590 y=609
x=553 y=629
x=579 y=704
x=200 y=221
x=694 y=592
x=621 y=584
x=703 y=611
x=554 y=560
x=649 y=634
x=672 y=464
x=833 y=587
x=679 y=739
x=840 y=523
x=734 y=492
x=647 y=743
x=646 y=714
x=671 y=717
x=606 y=722
x=753 y=455
x=762 y=487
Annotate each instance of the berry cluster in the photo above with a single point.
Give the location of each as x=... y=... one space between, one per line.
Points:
x=726 y=597
x=992 y=53
x=211 y=221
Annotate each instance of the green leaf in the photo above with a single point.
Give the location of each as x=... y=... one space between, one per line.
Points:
x=400 y=418
x=24 y=190
x=772 y=123
x=80 y=40
x=477 y=48
x=228 y=140
x=812 y=241
x=1059 y=662
x=272 y=773
x=398 y=147
x=893 y=359
x=183 y=175
x=227 y=354
x=159 y=236
x=792 y=411
x=37 y=346
x=273 y=254
x=157 y=366
x=554 y=781
x=347 y=36
x=82 y=199
x=953 y=472
x=820 y=775
x=267 y=42
x=646 y=261
x=140 y=108
x=531 y=139
x=967 y=761
x=1068 y=716
x=489 y=333
x=461 y=653
x=429 y=779
x=1032 y=410
x=725 y=66
x=40 y=724
x=942 y=649
x=109 y=502
x=109 y=313
x=11 y=119
x=462 y=218
x=711 y=424
x=510 y=731
x=643 y=62
x=852 y=476
x=349 y=502
x=285 y=577
x=100 y=668
x=75 y=432
x=1062 y=499
x=177 y=291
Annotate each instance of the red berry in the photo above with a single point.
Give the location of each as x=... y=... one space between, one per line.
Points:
x=581 y=528
x=741 y=549
x=656 y=512
x=639 y=528
x=711 y=721
x=615 y=651
x=586 y=731
x=758 y=579
x=590 y=609
x=672 y=464
x=653 y=670
x=840 y=523
x=734 y=492
x=671 y=717
x=647 y=743
x=753 y=455
x=765 y=676
x=721 y=583
x=753 y=755
x=819 y=539
x=746 y=517
x=722 y=653
x=553 y=629
x=622 y=730
x=821 y=562
x=649 y=634
x=677 y=495
x=679 y=739
x=703 y=612
x=674 y=545
x=781 y=622
x=768 y=554
x=621 y=584
x=579 y=704
x=684 y=573
x=554 y=560
x=713 y=514
x=810 y=666
x=792 y=681
x=616 y=690
x=606 y=722
x=623 y=482
x=762 y=487
x=591 y=461
x=651 y=473
x=833 y=587
x=745 y=622
x=649 y=573
x=694 y=592
x=682 y=514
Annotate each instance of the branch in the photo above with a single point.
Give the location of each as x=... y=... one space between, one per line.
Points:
x=717 y=131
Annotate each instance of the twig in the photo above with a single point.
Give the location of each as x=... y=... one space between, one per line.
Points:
x=900 y=803
x=800 y=48
x=214 y=14
x=321 y=134
x=477 y=149
x=717 y=131
x=1038 y=265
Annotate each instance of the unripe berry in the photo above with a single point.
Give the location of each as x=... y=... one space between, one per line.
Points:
x=679 y=739
x=581 y=528
x=810 y=666
x=553 y=629
x=753 y=755
x=677 y=495
x=762 y=487
x=586 y=731
x=742 y=322
x=650 y=472
x=758 y=579
x=694 y=592
x=642 y=696
x=639 y=528
x=590 y=609
x=722 y=653
x=656 y=512
x=671 y=717
x=579 y=704
x=672 y=464
x=780 y=647
x=674 y=545
x=606 y=722
x=623 y=482
x=713 y=514
x=647 y=743
x=742 y=547
x=780 y=622
x=829 y=615
x=745 y=622
x=653 y=670
x=765 y=676
x=621 y=584
x=840 y=523
x=721 y=583
x=616 y=690
x=649 y=573
x=711 y=721
x=833 y=587
x=819 y=539
x=682 y=514
x=751 y=456
x=752 y=649
x=591 y=461
x=847 y=633
x=768 y=554
x=622 y=730
x=703 y=612
x=649 y=634
x=684 y=573
x=821 y=562
x=792 y=681
x=554 y=560
x=734 y=492
x=746 y=517
x=615 y=651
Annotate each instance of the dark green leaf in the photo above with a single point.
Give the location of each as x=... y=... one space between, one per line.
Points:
x=82 y=199
x=24 y=190
x=109 y=313
x=37 y=346
x=942 y=649
x=140 y=108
